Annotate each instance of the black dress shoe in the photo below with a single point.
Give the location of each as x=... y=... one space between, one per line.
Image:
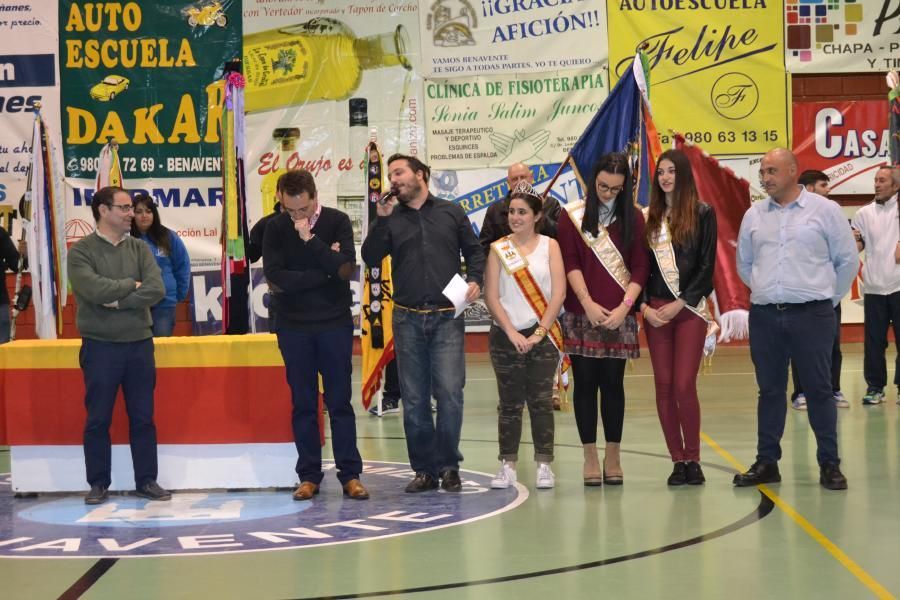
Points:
x=831 y=478
x=422 y=483
x=152 y=491
x=450 y=481
x=98 y=495
x=758 y=473
x=694 y=474
x=678 y=476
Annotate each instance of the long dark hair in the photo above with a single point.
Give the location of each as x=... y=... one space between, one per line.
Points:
x=614 y=163
x=158 y=234
x=685 y=200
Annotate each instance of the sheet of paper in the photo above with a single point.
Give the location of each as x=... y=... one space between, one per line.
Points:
x=456 y=291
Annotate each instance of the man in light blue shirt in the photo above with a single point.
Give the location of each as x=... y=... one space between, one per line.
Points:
x=798 y=257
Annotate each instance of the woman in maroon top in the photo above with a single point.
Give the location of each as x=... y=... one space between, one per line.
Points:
x=599 y=324
x=676 y=333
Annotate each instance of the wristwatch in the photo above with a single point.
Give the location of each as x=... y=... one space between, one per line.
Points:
x=540 y=331
x=628 y=302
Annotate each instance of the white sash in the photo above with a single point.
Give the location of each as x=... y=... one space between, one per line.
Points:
x=668 y=267
x=601 y=245
x=516 y=265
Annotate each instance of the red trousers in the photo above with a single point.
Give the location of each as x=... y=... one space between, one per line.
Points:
x=676 y=350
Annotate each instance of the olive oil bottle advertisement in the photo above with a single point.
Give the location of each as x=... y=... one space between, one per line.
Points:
x=322 y=78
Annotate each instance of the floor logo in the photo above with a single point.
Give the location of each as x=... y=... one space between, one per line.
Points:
x=222 y=522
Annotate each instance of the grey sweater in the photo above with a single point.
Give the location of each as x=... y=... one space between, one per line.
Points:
x=101 y=273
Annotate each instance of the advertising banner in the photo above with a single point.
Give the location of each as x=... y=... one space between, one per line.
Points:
x=28 y=78
x=462 y=38
x=149 y=76
x=314 y=69
x=322 y=80
x=717 y=69
x=842 y=36
x=747 y=168
x=845 y=140
x=498 y=120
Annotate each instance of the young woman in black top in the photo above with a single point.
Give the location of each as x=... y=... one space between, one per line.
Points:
x=681 y=235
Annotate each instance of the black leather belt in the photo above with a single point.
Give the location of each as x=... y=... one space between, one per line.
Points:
x=796 y=305
x=424 y=308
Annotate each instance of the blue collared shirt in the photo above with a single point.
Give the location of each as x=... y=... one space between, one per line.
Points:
x=798 y=253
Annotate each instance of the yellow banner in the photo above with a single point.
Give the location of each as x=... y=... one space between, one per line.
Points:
x=717 y=69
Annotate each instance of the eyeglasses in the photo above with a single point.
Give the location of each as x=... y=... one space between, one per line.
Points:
x=125 y=208
x=605 y=189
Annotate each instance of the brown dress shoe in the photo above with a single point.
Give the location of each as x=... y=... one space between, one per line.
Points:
x=306 y=490
x=356 y=490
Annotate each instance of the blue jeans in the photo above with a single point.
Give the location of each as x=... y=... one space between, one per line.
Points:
x=106 y=367
x=163 y=320
x=431 y=361
x=4 y=323
x=836 y=360
x=803 y=334
x=306 y=355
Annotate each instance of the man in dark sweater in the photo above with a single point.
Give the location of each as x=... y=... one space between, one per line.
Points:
x=308 y=260
x=424 y=236
x=9 y=259
x=116 y=280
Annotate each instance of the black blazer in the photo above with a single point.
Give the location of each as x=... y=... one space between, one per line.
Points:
x=9 y=259
x=696 y=262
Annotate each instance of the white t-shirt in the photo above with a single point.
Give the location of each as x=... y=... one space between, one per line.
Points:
x=520 y=313
x=880 y=232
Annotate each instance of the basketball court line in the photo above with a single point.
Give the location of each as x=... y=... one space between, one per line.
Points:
x=98 y=569
x=764 y=508
x=870 y=582
x=84 y=583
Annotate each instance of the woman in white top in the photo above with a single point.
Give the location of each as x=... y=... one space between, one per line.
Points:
x=524 y=288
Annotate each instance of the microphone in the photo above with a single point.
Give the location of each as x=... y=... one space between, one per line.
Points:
x=387 y=196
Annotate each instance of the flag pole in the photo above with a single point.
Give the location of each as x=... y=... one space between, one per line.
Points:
x=24 y=214
x=559 y=171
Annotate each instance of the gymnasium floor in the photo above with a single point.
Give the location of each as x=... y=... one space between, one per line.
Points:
x=641 y=540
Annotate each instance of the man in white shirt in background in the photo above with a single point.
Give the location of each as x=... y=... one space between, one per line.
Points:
x=877 y=231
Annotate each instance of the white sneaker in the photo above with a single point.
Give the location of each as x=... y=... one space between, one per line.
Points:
x=545 y=478
x=840 y=401
x=505 y=477
x=799 y=403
